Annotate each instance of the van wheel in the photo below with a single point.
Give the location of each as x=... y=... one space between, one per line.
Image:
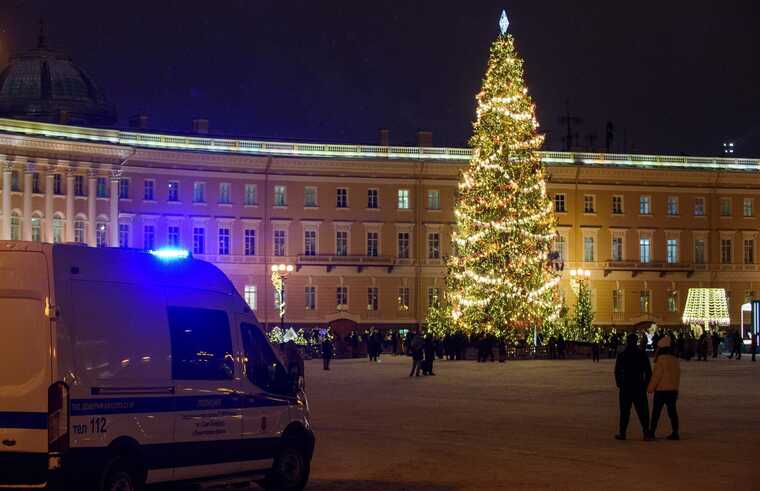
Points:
x=290 y=471
x=120 y=476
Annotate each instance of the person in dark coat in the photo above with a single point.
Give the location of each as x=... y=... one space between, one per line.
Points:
x=595 y=351
x=613 y=347
x=736 y=338
x=395 y=341
x=753 y=344
x=502 y=350
x=416 y=347
x=552 y=347
x=428 y=350
x=632 y=375
x=327 y=352
x=715 y=343
x=702 y=347
x=561 y=345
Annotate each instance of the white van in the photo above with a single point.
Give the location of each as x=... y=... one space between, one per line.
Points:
x=121 y=367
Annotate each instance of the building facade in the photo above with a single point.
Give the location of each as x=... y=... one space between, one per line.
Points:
x=367 y=228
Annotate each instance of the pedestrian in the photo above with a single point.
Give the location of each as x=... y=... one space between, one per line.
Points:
x=552 y=347
x=632 y=374
x=327 y=352
x=702 y=347
x=428 y=350
x=595 y=351
x=753 y=344
x=416 y=348
x=664 y=384
x=502 y=350
x=736 y=338
x=715 y=343
x=395 y=341
x=613 y=347
x=561 y=345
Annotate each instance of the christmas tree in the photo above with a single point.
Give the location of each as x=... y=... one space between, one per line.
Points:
x=584 y=316
x=500 y=279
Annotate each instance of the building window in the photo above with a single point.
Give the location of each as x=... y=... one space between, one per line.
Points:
x=589 y=203
x=434 y=199
x=672 y=205
x=725 y=251
x=199 y=192
x=699 y=207
x=15 y=186
x=199 y=240
x=310 y=297
x=79 y=232
x=173 y=191
x=15 y=226
x=617 y=300
x=172 y=236
x=249 y=239
x=58 y=184
x=101 y=188
x=341 y=198
x=617 y=248
x=224 y=242
x=559 y=203
x=645 y=205
x=403 y=245
x=57 y=230
x=250 y=198
x=310 y=197
x=749 y=251
x=280 y=199
x=100 y=234
x=434 y=245
x=403 y=199
x=341 y=243
x=645 y=253
x=79 y=185
x=249 y=294
x=699 y=251
x=560 y=247
x=644 y=301
x=403 y=298
x=748 y=208
x=372 y=299
x=279 y=242
x=617 y=205
x=372 y=201
x=310 y=242
x=123 y=188
x=433 y=295
x=672 y=301
x=36 y=229
x=672 y=250
x=341 y=298
x=225 y=193
x=588 y=249
x=149 y=190
x=372 y=243
x=725 y=207
x=124 y=235
x=36 y=183
x=149 y=237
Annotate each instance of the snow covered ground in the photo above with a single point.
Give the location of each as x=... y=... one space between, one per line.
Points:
x=525 y=425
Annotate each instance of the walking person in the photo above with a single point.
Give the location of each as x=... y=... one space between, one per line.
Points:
x=395 y=341
x=416 y=348
x=595 y=351
x=664 y=384
x=561 y=345
x=702 y=347
x=428 y=351
x=753 y=344
x=737 y=342
x=632 y=374
x=502 y=349
x=715 y=343
x=327 y=352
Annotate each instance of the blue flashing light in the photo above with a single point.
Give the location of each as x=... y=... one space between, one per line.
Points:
x=171 y=254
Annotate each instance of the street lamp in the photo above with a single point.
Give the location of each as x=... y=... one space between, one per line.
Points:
x=279 y=275
x=578 y=276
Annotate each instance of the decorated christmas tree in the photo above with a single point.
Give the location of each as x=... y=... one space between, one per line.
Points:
x=584 y=329
x=500 y=279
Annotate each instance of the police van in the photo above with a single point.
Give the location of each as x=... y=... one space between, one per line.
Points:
x=121 y=367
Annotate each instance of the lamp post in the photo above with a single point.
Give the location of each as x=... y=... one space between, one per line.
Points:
x=578 y=276
x=279 y=275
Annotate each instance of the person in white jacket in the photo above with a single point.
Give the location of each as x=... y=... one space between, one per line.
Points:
x=666 y=378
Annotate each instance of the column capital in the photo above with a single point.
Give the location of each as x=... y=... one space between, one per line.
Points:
x=30 y=167
x=116 y=174
x=92 y=173
x=6 y=166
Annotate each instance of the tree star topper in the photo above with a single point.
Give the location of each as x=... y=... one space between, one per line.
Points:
x=503 y=23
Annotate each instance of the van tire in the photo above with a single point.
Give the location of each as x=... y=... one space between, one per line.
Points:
x=120 y=475
x=290 y=471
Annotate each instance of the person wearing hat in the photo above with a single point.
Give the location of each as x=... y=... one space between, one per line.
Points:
x=632 y=374
x=664 y=384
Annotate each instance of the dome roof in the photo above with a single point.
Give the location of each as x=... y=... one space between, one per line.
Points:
x=44 y=85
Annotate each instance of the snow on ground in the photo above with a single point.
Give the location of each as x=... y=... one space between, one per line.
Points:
x=526 y=425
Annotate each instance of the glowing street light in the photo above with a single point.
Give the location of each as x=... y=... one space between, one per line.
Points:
x=279 y=275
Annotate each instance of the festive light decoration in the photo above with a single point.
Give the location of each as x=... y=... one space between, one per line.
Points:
x=705 y=307
x=499 y=277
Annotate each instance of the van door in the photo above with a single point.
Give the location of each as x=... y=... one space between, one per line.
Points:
x=25 y=366
x=208 y=422
x=267 y=392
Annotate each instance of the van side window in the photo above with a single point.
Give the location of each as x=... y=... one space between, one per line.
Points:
x=261 y=365
x=201 y=344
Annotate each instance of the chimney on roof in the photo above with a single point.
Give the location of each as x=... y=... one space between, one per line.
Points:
x=385 y=137
x=424 y=138
x=200 y=126
x=139 y=121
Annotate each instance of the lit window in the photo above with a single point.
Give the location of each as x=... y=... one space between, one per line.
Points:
x=172 y=236
x=672 y=301
x=341 y=198
x=123 y=188
x=645 y=255
x=149 y=237
x=617 y=300
x=672 y=205
x=310 y=242
x=403 y=298
x=434 y=245
x=249 y=237
x=672 y=251
x=199 y=240
x=699 y=251
x=617 y=205
x=644 y=301
x=199 y=192
x=310 y=297
x=725 y=251
x=57 y=230
x=403 y=245
x=372 y=201
x=36 y=229
x=280 y=198
x=341 y=243
x=101 y=189
x=15 y=185
x=372 y=243
x=79 y=232
x=559 y=203
x=249 y=293
x=224 y=242
x=725 y=207
x=100 y=234
x=279 y=242
x=434 y=199
x=173 y=191
x=310 y=197
x=749 y=207
x=149 y=186
x=225 y=193
x=749 y=251
x=645 y=205
x=403 y=199
x=124 y=235
x=617 y=248
x=250 y=195
x=341 y=298
x=589 y=203
x=15 y=226
x=699 y=207
x=372 y=298
x=588 y=249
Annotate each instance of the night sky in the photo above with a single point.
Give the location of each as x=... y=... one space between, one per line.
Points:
x=675 y=77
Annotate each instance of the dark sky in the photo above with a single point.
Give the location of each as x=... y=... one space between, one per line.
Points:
x=674 y=76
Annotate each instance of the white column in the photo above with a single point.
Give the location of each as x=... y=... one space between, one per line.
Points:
x=92 y=186
x=5 y=234
x=69 y=237
x=114 y=242
x=49 y=206
x=26 y=232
